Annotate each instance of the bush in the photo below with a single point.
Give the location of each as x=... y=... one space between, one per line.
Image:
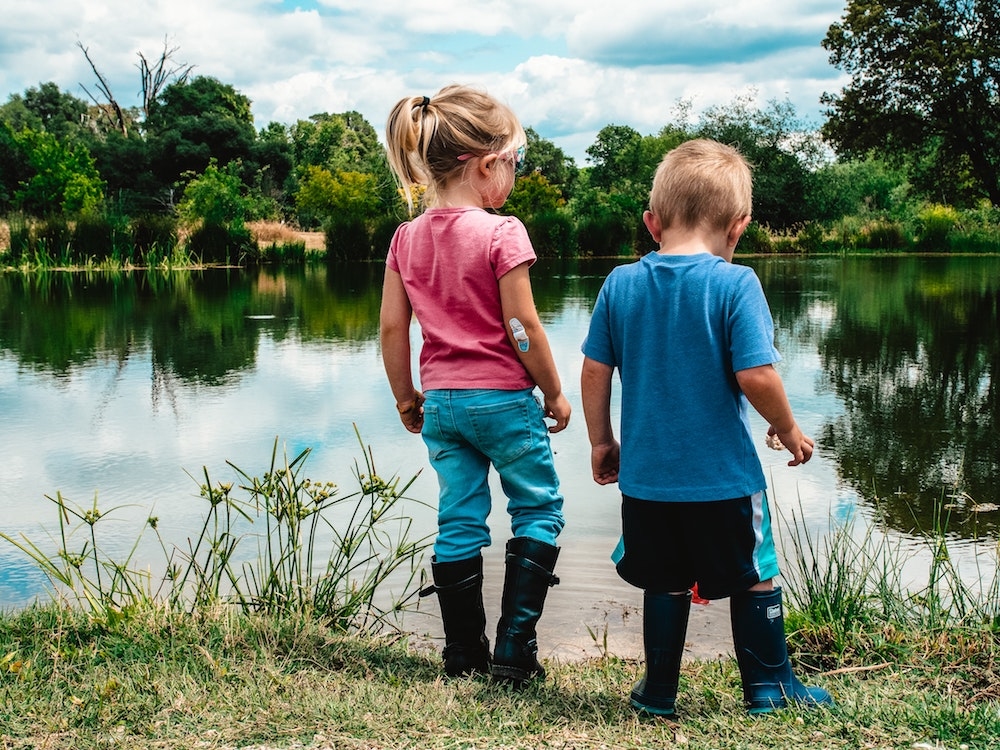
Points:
x=756 y=239
x=382 y=234
x=102 y=236
x=214 y=243
x=347 y=239
x=285 y=252
x=882 y=234
x=154 y=237
x=552 y=234
x=53 y=239
x=935 y=226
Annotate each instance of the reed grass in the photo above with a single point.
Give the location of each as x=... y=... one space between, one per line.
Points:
x=319 y=554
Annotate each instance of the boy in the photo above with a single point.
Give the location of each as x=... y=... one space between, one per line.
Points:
x=692 y=338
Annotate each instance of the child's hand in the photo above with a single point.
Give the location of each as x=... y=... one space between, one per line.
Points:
x=557 y=408
x=799 y=445
x=411 y=414
x=605 y=460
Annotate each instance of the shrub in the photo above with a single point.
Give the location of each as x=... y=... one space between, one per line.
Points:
x=935 y=226
x=882 y=234
x=347 y=239
x=214 y=243
x=154 y=237
x=102 y=236
x=552 y=234
x=756 y=239
x=53 y=239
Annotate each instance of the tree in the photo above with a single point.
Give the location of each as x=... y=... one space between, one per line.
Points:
x=47 y=109
x=63 y=176
x=773 y=141
x=925 y=81
x=196 y=121
x=544 y=157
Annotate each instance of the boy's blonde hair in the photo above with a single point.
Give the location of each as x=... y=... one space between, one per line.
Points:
x=425 y=136
x=701 y=183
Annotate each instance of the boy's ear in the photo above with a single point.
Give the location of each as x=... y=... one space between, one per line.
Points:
x=736 y=229
x=652 y=222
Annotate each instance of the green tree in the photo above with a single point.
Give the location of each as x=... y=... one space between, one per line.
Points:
x=925 y=83
x=196 y=121
x=779 y=150
x=616 y=155
x=45 y=109
x=323 y=195
x=62 y=178
x=533 y=194
x=14 y=166
x=544 y=157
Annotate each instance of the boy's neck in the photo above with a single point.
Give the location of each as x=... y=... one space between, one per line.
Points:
x=695 y=242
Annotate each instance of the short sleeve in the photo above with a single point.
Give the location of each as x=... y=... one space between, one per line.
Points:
x=510 y=247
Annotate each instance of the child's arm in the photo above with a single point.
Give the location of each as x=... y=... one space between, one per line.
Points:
x=766 y=393
x=517 y=301
x=605 y=452
x=394 y=333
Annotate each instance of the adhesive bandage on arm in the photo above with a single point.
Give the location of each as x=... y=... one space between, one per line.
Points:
x=520 y=335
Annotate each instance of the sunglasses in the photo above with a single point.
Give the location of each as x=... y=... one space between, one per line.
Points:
x=514 y=155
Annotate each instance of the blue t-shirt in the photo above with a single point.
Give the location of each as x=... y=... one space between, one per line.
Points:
x=678 y=328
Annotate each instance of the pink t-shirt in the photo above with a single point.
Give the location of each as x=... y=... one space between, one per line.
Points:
x=450 y=260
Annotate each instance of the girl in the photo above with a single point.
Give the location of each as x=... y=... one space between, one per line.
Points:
x=463 y=271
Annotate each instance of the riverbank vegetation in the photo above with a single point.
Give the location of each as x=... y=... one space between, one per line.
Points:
x=912 y=663
x=901 y=163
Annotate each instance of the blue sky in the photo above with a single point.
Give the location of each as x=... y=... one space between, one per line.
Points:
x=567 y=67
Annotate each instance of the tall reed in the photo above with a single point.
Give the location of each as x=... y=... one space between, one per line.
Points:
x=318 y=553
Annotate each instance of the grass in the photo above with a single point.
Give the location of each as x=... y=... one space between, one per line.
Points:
x=243 y=656
x=161 y=679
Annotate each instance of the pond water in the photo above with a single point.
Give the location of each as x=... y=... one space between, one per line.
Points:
x=123 y=389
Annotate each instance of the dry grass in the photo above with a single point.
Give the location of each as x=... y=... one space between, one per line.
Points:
x=274 y=232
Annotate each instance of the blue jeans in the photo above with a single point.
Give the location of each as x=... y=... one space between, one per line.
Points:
x=467 y=430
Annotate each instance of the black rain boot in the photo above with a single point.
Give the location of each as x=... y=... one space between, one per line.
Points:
x=664 y=627
x=762 y=653
x=459 y=586
x=528 y=576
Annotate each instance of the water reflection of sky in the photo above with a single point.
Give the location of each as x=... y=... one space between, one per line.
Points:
x=135 y=436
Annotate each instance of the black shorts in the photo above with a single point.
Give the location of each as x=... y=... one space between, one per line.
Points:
x=725 y=546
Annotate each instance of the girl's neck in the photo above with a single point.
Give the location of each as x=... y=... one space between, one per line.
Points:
x=460 y=196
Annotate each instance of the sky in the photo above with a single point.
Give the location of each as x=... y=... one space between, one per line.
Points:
x=566 y=67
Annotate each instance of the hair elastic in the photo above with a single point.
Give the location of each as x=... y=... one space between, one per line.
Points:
x=425 y=102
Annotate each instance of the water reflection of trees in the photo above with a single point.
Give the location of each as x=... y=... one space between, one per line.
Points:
x=914 y=354
x=202 y=326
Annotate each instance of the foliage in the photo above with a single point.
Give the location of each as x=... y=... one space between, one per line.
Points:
x=195 y=122
x=343 y=197
x=365 y=532
x=533 y=194
x=548 y=160
x=63 y=177
x=925 y=78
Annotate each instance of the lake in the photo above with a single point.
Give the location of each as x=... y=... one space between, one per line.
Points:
x=119 y=388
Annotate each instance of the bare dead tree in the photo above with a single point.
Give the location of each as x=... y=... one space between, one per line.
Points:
x=155 y=77
x=109 y=108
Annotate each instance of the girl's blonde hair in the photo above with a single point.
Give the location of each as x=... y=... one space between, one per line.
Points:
x=701 y=183
x=425 y=136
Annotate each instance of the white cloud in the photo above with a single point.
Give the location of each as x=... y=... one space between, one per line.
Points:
x=568 y=68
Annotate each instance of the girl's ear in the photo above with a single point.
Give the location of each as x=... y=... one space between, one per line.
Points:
x=486 y=164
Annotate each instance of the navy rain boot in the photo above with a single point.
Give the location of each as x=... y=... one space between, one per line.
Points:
x=664 y=627
x=528 y=576
x=459 y=587
x=762 y=653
